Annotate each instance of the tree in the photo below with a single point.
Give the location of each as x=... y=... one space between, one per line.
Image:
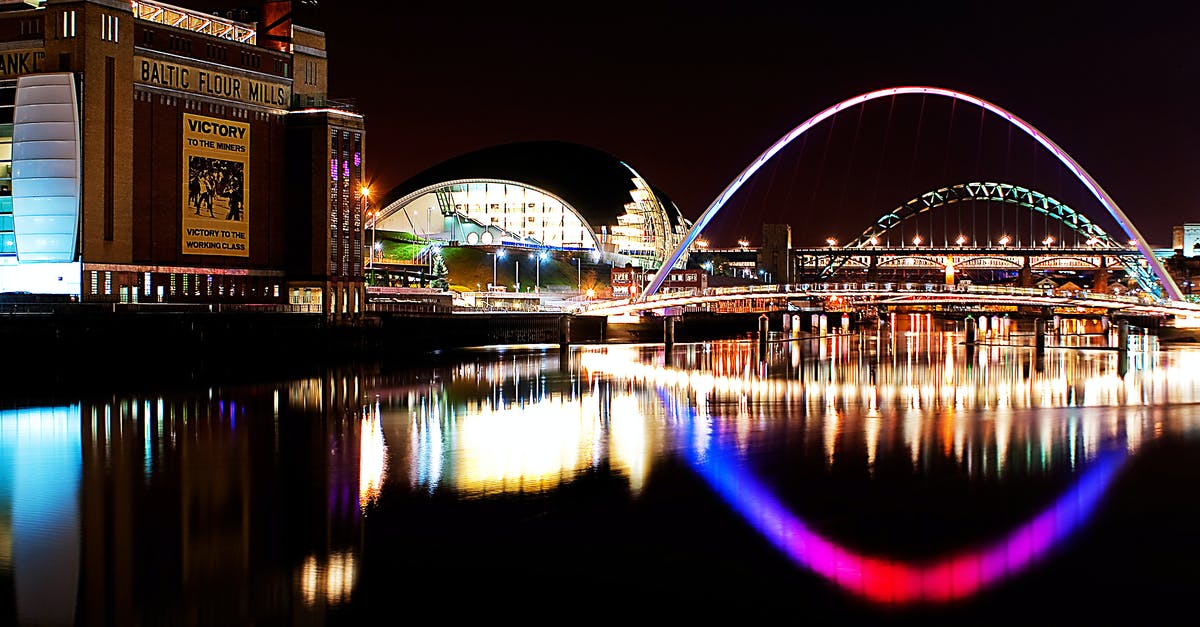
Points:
x=440 y=271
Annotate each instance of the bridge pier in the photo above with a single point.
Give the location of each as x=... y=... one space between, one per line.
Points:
x=970 y=324
x=668 y=334
x=1123 y=338
x=1025 y=277
x=764 y=328
x=1039 y=335
x=564 y=333
x=1100 y=277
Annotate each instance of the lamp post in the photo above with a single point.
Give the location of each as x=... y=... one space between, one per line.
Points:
x=366 y=198
x=376 y=247
x=579 y=275
x=537 y=258
x=496 y=254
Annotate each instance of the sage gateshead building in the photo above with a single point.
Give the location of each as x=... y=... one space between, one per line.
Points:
x=153 y=153
x=541 y=194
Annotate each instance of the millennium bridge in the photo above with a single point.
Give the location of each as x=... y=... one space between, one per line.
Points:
x=876 y=268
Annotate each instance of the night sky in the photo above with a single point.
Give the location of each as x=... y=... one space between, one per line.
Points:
x=688 y=93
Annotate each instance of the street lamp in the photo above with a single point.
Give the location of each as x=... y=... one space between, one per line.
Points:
x=831 y=241
x=916 y=240
x=366 y=198
x=538 y=258
x=1004 y=240
x=579 y=275
x=496 y=254
x=375 y=248
x=1049 y=240
x=962 y=239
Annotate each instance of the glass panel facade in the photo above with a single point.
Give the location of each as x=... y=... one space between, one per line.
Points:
x=8 y=239
x=518 y=214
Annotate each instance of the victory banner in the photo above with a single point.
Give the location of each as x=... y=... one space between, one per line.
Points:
x=216 y=158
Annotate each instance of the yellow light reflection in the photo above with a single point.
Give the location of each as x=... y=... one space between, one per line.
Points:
x=523 y=448
x=332 y=580
x=372 y=463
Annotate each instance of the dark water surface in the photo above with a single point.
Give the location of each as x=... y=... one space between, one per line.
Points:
x=883 y=477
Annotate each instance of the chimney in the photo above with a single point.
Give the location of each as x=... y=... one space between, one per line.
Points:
x=275 y=29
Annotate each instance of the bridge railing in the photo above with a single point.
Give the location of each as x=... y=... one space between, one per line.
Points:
x=818 y=288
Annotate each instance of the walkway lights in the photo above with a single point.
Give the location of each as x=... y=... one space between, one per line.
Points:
x=1049 y=240
x=962 y=239
x=874 y=240
x=1004 y=240
x=832 y=241
x=916 y=240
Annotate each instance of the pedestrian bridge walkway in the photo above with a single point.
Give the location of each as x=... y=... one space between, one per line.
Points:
x=1182 y=313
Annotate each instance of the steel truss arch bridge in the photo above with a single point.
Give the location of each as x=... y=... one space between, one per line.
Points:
x=1096 y=243
x=1165 y=284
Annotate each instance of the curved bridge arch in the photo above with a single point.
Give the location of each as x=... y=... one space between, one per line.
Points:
x=1168 y=285
x=1032 y=200
x=1005 y=193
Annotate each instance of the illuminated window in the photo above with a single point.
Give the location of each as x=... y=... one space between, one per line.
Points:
x=109 y=27
x=67 y=27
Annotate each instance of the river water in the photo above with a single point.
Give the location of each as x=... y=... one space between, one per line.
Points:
x=892 y=475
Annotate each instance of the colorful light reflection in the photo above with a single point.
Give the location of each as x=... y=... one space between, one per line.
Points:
x=885 y=580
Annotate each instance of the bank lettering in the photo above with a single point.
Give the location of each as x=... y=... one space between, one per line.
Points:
x=19 y=62
x=209 y=83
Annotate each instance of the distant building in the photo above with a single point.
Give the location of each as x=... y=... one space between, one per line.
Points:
x=539 y=194
x=776 y=253
x=630 y=280
x=1185 y=239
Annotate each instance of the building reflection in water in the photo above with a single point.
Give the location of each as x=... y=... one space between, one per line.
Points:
x=40 y=522
x=219 y=508
x=237 y=504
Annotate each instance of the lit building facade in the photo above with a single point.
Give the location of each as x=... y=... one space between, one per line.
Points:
x=552 y=195
x=1185 y=239
x=204 y=163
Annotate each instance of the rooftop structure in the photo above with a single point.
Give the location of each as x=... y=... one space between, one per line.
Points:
x=554 y=195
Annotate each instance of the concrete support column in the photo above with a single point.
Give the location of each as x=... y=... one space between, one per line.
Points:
x=1026 y=275
x=764 y=328
x=668 y=339
x=970 y=331
x=564 y=333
